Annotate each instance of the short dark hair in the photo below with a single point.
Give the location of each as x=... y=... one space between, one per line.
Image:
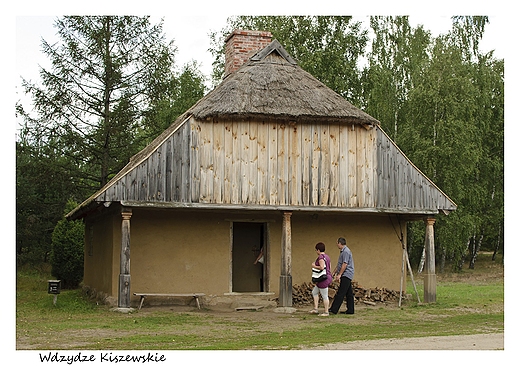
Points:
x=342 y=241
x=320 y=246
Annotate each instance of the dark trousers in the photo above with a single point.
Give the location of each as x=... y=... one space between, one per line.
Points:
x=345 y=289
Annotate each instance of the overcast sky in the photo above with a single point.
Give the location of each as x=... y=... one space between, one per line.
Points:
x=190 y=35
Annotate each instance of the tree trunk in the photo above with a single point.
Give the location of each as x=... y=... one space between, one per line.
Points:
x=421 y=263
x=498 y=243
x=476 y=248
x=443 y=260
x=463 y=257
x=107 y=118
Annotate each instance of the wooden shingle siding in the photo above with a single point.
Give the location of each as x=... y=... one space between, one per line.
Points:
x=279 y=164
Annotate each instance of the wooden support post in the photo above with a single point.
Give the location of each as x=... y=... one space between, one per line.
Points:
x=124 y=269
x=285 y=274
x=430 y=280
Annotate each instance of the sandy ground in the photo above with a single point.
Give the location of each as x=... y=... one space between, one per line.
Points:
x=492 y=341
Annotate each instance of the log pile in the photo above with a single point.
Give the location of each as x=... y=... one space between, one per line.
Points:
x=302 y=294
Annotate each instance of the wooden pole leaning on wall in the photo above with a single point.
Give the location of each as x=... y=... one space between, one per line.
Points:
x=403 y=238
x=124 y=269
x=411 y=275
x=403 y=277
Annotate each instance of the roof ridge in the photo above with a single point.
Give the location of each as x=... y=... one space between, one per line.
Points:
x=274 y=46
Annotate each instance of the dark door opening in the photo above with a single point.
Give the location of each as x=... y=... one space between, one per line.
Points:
x=249 y=240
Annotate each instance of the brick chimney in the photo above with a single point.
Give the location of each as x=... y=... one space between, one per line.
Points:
x=241 y=45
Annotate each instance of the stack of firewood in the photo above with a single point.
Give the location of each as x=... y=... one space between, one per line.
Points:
x=302 y=294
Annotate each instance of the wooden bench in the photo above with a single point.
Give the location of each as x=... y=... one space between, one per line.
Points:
x=194 y=295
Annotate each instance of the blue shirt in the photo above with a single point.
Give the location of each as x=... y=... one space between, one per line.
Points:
x=345 y=256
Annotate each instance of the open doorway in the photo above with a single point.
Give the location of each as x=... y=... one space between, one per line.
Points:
x=248 y=243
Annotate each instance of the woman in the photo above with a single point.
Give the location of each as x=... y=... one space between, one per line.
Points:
x=323 y=261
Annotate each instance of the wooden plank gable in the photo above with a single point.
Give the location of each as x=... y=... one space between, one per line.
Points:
x=272 y=163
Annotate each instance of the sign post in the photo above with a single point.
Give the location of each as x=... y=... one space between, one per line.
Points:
x=54 y=289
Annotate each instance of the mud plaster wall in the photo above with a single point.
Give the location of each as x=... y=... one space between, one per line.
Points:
x=375 y=246
x=180 y=251
x=100 y=255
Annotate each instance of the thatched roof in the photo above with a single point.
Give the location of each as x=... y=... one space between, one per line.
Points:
x=271 y=85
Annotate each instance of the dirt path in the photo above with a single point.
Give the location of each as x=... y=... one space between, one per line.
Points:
x=492 y=341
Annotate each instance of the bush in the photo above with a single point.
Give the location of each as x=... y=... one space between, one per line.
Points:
x=67 y=251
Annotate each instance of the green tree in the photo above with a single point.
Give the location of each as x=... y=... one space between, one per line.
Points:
x=43 y=185
x=398 y=53
x=187 y=89
x=442 y=101
x=491 y=166
x=453 y=131
x=67 y=250
x=106 y=73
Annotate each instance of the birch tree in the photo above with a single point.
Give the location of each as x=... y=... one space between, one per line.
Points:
x=398 y=53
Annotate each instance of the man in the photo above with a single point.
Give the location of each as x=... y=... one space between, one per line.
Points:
x=344 y=272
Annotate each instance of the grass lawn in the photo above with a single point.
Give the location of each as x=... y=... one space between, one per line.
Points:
x=470 y=302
